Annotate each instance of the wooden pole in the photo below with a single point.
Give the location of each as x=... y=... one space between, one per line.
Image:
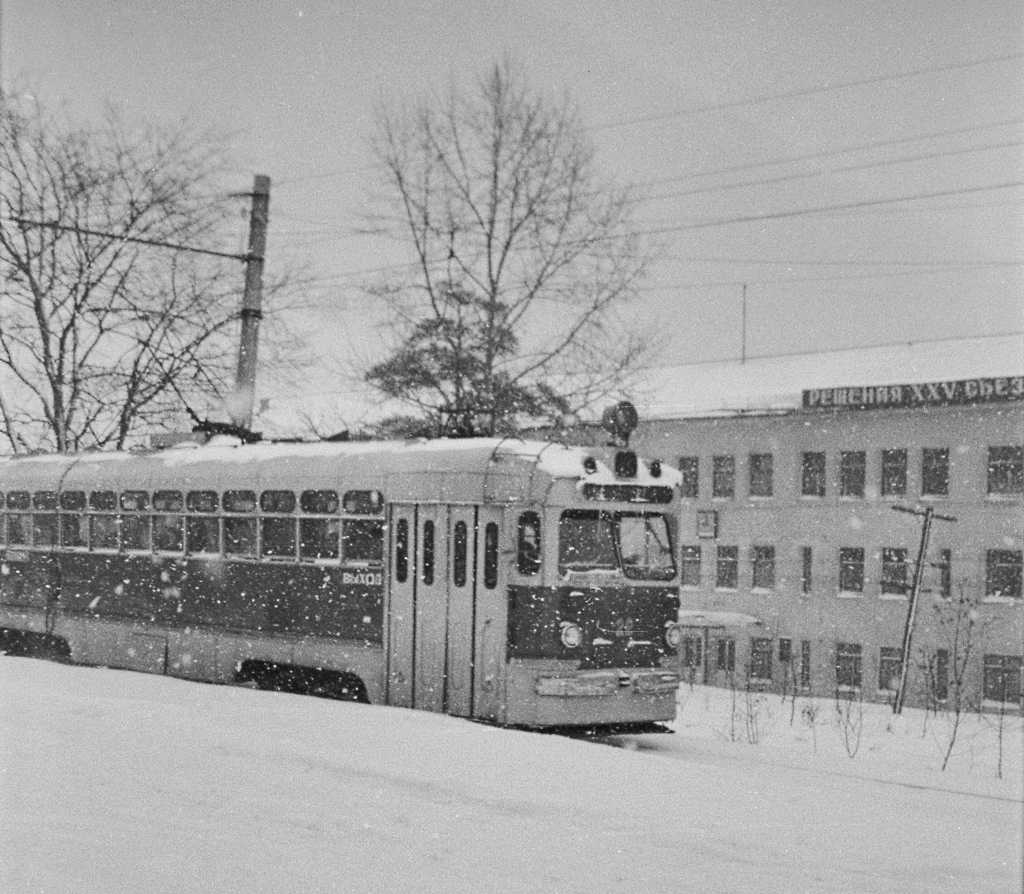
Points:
x=928 y=515
x=252 y=301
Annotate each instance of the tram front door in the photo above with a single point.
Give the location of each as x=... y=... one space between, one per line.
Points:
x=435 y=614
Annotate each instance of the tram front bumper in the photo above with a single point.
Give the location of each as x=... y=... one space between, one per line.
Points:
x=607 y=683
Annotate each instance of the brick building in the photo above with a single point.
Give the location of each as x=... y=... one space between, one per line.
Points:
x=797 y=567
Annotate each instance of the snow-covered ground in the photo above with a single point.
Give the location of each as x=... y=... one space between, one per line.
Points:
x=115 y=781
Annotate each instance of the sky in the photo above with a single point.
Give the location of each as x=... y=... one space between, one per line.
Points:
x=119 y=781
x=813 y=175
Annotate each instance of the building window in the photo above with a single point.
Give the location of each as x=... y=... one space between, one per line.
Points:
x=689 y=466
x=1006 y=471
x=935 y=472
x=851 y=473
x=945 y=569
x=805 y=664
x=1003 y=573
x=723 y=479
x=760 y=658
x=690 y=566
x=727 y=655
x=851 y=569
x=763 y=560
x=785 y=651
x=938 y=675
x=890 y=666
x=806 y=565
x=727 y=573
x=1002 y=678
x=812 y=477
x=848 y=666
x=693 y=653
x=894 y=570
x=894 y=473
x=761 y=472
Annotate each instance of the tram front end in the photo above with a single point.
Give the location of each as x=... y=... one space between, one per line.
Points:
x=593 y=638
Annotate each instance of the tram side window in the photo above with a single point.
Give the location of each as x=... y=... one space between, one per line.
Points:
x=363 y=541
x=103 y=526
x=318 y=537
x=73 y=529
x=491 y=555
x=240 y=527
x=135 y=524
x=529 y=551
x=19 y=522
x=3 y=520
x=168 y=533
x=202 y=532
x=277 y=534
x=44 y=518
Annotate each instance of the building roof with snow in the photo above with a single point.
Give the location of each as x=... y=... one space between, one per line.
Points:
x=777 y=383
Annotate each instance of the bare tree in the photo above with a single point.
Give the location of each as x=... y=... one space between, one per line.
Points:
x=104 y=325
x=524 y=261
x=959 y=628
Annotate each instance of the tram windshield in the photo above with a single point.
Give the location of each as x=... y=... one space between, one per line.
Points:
x=636 y=543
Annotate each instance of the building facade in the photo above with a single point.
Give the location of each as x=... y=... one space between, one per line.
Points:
x=801 y=529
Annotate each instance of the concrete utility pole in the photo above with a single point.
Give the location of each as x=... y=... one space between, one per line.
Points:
x=252 y=301
x=915 y=591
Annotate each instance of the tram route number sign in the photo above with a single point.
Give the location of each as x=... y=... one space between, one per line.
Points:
x=961 y=392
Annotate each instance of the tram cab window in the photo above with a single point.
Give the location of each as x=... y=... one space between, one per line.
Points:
x=202 y=531
x=135 y=524
x=638 y=544
x=168 y=524
x=73 y=529
x=529 y=550
x=103 y=527
x=646 y=546
x=44 y=518
x=586 y=541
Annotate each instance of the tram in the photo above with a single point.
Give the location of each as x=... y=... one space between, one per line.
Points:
x=521 y=583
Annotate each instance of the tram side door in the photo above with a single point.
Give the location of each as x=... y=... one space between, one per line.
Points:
x=430 y=610
x=434 y=578
x=462 y=589
x=490 y=623
x=400 y=608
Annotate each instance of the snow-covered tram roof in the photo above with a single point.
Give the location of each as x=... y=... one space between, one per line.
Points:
x=470 y=470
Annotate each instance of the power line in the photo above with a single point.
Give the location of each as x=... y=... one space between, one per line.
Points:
x=807 y=91
x=822 y=351
x=831 y=172
x=119 y=237
x=862 y=147
x=778 y=215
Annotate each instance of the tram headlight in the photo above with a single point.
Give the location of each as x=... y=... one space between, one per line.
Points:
x=572 y=636
x=673 y=635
